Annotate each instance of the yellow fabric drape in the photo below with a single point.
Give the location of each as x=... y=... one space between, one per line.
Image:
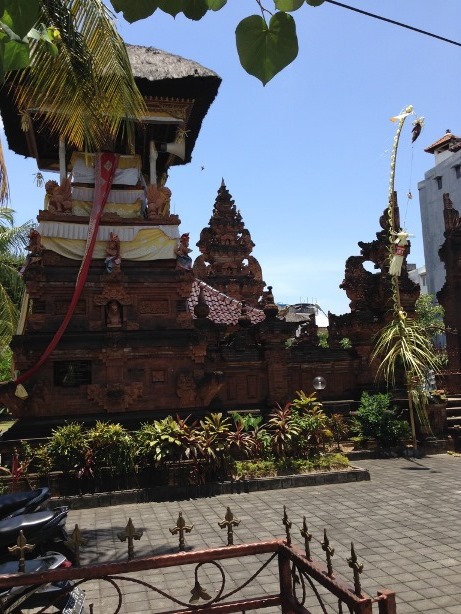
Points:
x=149 y=244
x=83 y=207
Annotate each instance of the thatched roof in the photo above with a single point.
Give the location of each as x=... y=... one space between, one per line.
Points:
x=157 y=65
x=165 y=75
x=159 y=75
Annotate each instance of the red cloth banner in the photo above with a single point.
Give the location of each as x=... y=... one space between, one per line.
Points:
x=105 y=167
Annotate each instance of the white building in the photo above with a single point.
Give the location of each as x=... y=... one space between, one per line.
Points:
x=443 y=177
x=418 y=276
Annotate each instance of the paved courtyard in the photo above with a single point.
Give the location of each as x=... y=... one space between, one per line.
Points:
x=405 y=524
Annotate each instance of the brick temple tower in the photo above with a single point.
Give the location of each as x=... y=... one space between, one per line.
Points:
x=226 y=262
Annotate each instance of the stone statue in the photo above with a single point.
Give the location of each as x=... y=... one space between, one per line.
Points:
x=59 y=198
x=35 y=249
x=158 y=200
x=35 y=246
x=113 y=259
x=184 y=261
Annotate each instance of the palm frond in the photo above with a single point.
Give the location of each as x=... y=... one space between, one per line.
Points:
x=13 y=239
x=10 y=279
x=8 y=317
x=4 y=184
x=12 y=254
x=403 y=344
x=86 y=90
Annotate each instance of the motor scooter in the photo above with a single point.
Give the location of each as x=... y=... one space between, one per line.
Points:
x=44 y=529
x=61 y=595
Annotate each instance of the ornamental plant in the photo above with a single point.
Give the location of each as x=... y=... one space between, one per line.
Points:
x=403 y=346
x=111 y=446
x=283 y=430
x=168 y=440
x=261 y=436
x=312 y=423
x=67 y=446
x=377 y=419
x=339 y=428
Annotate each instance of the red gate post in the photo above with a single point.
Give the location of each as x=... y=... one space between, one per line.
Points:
x=386 y=602
x=286 y=585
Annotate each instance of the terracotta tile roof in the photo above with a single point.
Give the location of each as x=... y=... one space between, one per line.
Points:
x=223 y=309
x=445 y=139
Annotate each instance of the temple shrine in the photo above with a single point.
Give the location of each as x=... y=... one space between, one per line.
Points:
x=226 y=262
x=118 y=320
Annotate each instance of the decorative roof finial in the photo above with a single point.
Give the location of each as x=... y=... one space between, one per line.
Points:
x=270 y=308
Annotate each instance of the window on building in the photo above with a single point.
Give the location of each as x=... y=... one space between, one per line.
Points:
x=72 y=373
x=439 y=182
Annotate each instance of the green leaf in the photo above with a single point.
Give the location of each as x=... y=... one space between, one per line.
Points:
x=52 y=49
x=20 y=15
x=35 y=34
x=16 y=55
x=314 y=2
x=45 y=35
x=171 y=7
x=195 y=9
x=266 y=50
x=7 y=33
x=288 y=5
x=216 y=5
x=134 y=10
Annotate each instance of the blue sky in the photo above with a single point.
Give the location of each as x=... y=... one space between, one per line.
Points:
x=306 y=158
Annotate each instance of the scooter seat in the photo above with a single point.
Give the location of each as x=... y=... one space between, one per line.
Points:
x=12 y=502
x=27 y=523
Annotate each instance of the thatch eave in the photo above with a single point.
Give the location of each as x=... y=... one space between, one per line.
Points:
x=158 y=74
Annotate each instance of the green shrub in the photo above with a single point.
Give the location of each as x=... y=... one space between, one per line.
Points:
x=214 y=431
x=251 y=469
x=67 y=446
x=339 y=428
x=38 y=459
x=111 y=446
x=283 y=430
x=167 y=440
x=312 y=425
x=254 y=426
x=332 y=461
x=375 y=418
x=249 y=422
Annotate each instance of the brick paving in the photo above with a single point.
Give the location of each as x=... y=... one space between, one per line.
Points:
x=405 y=524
